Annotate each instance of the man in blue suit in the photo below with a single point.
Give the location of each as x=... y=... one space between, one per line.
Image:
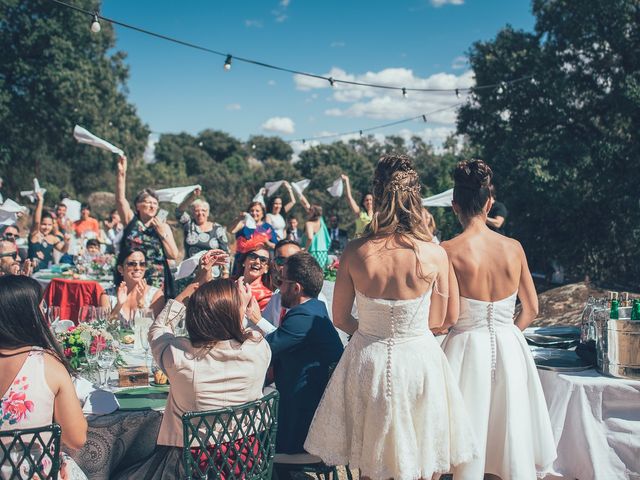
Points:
x=303 y=348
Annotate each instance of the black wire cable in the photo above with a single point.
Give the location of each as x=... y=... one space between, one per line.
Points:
x=332 y=81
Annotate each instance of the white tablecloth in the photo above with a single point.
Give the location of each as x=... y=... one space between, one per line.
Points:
x=596 y=424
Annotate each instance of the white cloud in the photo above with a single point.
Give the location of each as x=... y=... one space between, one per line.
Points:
x=382 y=104
x=149 y=154
x=337 y=44
x=249 y=23
x=281 y=17
x=280 y=13
x=233 y=107
x=271 y=83
x=283 y=125
x=459 y=63
x=284 y=3
x=440 y=3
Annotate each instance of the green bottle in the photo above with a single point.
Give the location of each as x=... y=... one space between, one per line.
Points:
x=613 y=313
x=635 y=310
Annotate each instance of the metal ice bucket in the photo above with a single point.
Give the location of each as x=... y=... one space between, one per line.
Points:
x=618 y=347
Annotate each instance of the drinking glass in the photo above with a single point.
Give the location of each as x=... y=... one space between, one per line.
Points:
x=106 y=359
x=53 y=314
x=87 y=314
x=142 y=318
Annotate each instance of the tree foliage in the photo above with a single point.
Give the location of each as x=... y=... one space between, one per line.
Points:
x=564 y=146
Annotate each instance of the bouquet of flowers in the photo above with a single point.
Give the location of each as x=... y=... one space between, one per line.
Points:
x=89 y=338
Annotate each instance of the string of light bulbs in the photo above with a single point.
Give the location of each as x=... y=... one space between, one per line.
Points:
x=229 y=58
x=361 y=131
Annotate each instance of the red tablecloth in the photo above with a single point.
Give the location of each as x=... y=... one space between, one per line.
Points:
x=70 y=295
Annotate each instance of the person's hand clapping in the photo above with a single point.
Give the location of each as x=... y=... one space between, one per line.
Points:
x=253 y=311
x=121 y=293
x=244 y=289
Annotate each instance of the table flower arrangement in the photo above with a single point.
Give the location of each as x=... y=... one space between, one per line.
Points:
x=89 y=338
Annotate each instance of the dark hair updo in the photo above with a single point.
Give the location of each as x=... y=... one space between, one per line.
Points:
x=472 y=186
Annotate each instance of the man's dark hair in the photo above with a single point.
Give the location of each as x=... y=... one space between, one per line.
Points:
x=305 y=270
x=284 y=242
x=85 y=206
x=92 y=242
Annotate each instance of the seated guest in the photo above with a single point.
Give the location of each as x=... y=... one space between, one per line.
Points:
x=217 y=366
x=92 y=247
x=9 y=258
x=62 y=223
x=255 y=268
x=304 y=347
x=10 y=232
x=114 y=228
x=35 y=376
x=247 y=238
x=87 y=226
x=132 y=291
x=43 y=239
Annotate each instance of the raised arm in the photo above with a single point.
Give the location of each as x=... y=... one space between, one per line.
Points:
x=308 y=230
x=121 y=185
x=67 y=411
x=304 y=202
x=292 y=198
x=166 y=237
x=352 y=203
x=188 y=201
x=343 y=295
x=37 y=216
x=526 y=294
x=237 y=223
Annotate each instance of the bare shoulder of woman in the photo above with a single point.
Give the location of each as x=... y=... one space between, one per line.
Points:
x=55 y=373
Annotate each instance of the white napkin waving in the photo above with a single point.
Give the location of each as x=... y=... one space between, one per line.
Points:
x=188 y=266
x=300 y=185
x=336 y=188
x=9 y=211
x=32 y=193
x=83 y=135
x=176 y=194
x=260 y=197
x=73 y=209
x=443 y=199
x=249 y=222
x=272 y=187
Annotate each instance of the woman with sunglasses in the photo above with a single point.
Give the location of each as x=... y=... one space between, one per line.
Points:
x=145 y=231
x=132 y=290
x=255 y=268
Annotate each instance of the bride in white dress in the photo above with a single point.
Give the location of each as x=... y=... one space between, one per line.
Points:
x=392 y=407
x=486 y=349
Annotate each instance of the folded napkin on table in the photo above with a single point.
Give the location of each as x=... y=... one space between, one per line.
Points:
x=93 y=400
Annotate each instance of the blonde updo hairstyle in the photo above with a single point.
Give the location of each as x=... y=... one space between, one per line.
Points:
x=397 y=201
x=398 y=206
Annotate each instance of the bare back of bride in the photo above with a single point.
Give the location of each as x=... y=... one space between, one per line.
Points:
x=392 y=407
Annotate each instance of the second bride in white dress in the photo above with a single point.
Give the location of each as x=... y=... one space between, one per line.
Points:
x=486 y=349
x=392 y=407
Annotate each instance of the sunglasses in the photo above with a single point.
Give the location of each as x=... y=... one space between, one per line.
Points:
x=255 y=256
x=136 y=264
x=10 y=236
x=13 y=255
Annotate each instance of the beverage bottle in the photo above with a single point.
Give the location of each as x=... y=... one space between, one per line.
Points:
x=635 y=310
x=613 y=312
x=624 y=299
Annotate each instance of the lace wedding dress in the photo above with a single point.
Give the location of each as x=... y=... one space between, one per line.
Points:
x=499 y=382
x=392 y=407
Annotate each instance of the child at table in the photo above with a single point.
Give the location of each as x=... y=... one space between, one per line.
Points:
x=227 y=363
x=35 y=377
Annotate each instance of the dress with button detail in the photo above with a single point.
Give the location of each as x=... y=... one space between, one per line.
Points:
x=392 y=407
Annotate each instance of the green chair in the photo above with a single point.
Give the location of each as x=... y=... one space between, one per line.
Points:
x=231 y=443
x=30 y=453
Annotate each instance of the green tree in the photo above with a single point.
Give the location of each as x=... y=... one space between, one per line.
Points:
x=564 y=145
x=54 y=73
x=265 y=148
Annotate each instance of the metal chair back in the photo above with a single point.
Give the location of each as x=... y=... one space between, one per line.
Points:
x=231 y=443
x=30 y=453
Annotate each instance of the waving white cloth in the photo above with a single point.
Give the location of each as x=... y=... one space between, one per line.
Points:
x=300 y=185
x=336 y=188
x=440 y=200
x=32 y=193
x=249 y=222
x=83 y=135
x=9 y=211
x=188 y=266
x=176 y=194
x=73 y=209
x=260 y=196
x=272 y=187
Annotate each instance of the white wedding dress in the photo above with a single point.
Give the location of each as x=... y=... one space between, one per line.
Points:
x=392 y=407
x=498 y=378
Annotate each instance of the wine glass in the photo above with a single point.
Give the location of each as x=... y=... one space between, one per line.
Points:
x=143 y=318
x=106 y=359
x=53 y=314
x=87 y=314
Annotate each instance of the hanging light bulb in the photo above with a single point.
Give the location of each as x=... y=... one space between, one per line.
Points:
x=95 y=25
x=457 y=93
x=253 y=146
x=361 y=133
x=501 y=88
x=304 y=141
x=227 y=63
x=404 y=92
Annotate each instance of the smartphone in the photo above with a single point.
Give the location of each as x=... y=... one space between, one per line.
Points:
x=162 y=215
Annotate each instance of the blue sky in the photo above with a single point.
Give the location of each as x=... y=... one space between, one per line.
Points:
x=414 y=43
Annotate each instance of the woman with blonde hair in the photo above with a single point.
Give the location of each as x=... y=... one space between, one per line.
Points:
x=392 y=407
